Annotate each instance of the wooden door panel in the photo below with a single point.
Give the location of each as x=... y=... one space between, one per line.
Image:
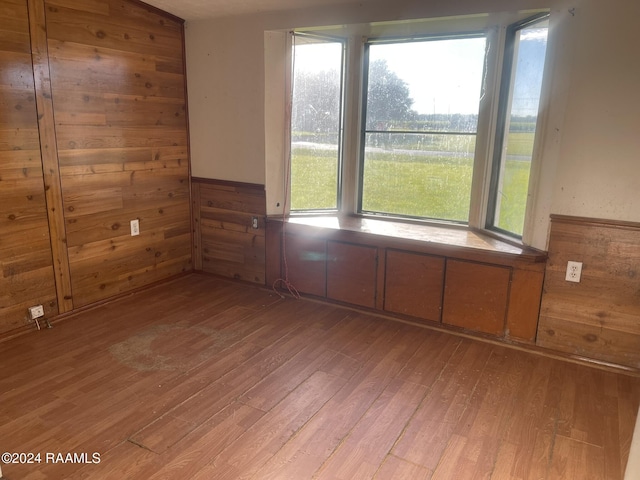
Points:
x=414 y=284
x=475 y=296
x=306 y=259
x=351 y=273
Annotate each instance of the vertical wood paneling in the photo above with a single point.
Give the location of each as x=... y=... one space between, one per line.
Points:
x=118 y=92
x=229 y=245
x=26 y=271
x=93 y=134
x=49 y=153
x=600 y=316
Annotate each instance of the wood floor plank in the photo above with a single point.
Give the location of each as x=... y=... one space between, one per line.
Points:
x=526 y=447
x=382 y=424
x=430 y=430
x=318 y=439
x=204 y=378
x=394 y=467
x=576 y=459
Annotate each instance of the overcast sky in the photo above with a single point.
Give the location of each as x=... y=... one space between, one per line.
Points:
x=443 y=76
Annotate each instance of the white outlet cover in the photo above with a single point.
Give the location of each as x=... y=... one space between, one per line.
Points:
x=135 y=227
x=574 y=272
x=36 y=312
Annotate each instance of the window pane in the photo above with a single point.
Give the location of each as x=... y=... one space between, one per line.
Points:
x=418 y=175
x=315 y=125
x=520 y=128
x=421 y=120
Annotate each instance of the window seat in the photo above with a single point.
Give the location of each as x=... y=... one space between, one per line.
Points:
x=428 y=274
x=445 y=238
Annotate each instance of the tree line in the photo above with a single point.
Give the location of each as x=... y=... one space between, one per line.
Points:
x=317 y=106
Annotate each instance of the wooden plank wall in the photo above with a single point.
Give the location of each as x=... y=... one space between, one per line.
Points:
x=600 y=316
x=26 y=269
x=226 y=242
x=106 y=116
x=118 y=90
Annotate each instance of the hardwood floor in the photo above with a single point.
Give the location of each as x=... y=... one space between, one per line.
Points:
x=201 y=378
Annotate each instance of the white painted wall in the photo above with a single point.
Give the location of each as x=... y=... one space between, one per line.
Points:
x=590 y=156
x=225 y=72
x=598 y=170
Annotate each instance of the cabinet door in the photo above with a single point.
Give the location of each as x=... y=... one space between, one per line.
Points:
x=305 y=259
x=351 y=273
x=475 y=296
x=413 y=284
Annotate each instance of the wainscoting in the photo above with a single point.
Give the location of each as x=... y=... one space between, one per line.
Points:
x=229 y=229
x=434 y=275
x=599 y=317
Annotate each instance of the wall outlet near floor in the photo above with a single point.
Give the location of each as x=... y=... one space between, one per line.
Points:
x=36 y=311
x=574 y=272
x=254 y=222
x=135 y=227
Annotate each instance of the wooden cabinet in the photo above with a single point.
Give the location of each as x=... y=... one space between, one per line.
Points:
x=429 y=275
x=414 y=284
x=475 y=296
x=336 y=270
x=351 y=273
x=306 y=264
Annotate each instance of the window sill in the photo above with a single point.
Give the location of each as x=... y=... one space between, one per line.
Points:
x=437 y=239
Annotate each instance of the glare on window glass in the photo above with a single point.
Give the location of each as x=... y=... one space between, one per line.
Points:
x=421 y=120
x=520 y=129
x=315 y=125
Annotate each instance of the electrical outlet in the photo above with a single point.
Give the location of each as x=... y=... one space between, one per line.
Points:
x=254 y=222
x=135 y=227
x=574 y=272
x=36 y=311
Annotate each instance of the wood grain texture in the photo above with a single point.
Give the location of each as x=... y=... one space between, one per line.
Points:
x=229 y=245
x=597 y=317
x=351 y=273
x=93 y=134
x=525 y=296
x=121 y=136
x=26 y=264
x=414 y=285
x=304 y=264
x=502 y=281
x=203 y=378
x=475 y=296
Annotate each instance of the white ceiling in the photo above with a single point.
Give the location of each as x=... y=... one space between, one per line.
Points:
x=200 y=9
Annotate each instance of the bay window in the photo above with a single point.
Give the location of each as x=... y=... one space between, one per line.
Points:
x=437 y=133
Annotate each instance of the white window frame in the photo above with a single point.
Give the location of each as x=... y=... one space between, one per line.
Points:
x=495 y=27
x=341 y=120
x=504 y=109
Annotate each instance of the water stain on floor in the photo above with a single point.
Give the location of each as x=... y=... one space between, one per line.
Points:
x=171 y=347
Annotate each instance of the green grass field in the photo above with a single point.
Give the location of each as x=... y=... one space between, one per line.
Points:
x=419 y=186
